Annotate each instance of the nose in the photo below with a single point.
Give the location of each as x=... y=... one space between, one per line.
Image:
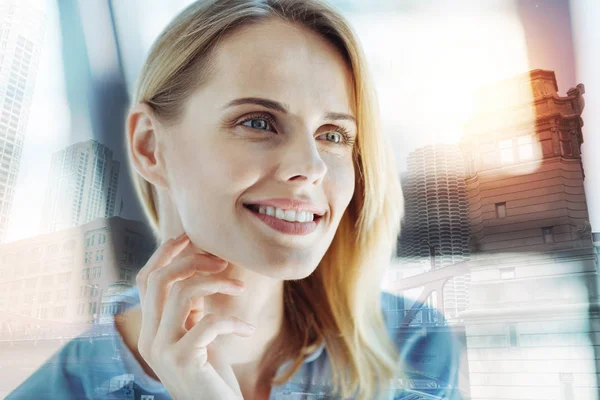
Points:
x=301 y=160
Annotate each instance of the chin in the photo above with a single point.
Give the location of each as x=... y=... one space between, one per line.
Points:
x=286 y=270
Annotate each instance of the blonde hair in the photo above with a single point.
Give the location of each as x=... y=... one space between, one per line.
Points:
x=340 y=302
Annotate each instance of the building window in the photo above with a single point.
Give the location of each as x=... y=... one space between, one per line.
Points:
x=64 y=278
x=500 y=210
x=547 y=147
x=512 y=335
x=63 y=294
x=566 y=149
x=59 y=312
x=125 y=274
x=525 y=148
x=70 y=245
x=506 y=151
x=45 y=297
x=507 y=273
x=566 y=384
x=548 y=235
x=52 y=249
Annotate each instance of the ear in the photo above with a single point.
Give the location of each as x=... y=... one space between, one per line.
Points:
x=142 y=138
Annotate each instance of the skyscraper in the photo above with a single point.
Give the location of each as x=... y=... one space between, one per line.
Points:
x=82 y=186
x=22 y=26
x=436 y=226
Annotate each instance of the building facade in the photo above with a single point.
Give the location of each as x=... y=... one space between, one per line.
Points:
x=63 y=276
x=82 y=186
x=22 y=29
x=533 y=279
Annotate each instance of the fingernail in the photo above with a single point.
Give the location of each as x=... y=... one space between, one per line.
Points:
x=238 y=282
x=233 y=289
x=178 y=238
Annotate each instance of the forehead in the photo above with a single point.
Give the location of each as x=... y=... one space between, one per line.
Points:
x=286 y=63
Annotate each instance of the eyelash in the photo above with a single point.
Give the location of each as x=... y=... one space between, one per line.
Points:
x=347 y=139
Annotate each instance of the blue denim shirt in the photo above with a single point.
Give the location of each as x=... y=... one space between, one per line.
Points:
x=98 y=365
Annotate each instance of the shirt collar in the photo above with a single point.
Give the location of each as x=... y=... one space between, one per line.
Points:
x=315 y=354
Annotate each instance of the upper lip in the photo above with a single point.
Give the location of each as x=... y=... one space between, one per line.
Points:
x=290 y=204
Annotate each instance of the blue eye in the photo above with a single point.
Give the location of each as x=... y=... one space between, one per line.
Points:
x=344 y=137
x=335 y=134
x=263 y=123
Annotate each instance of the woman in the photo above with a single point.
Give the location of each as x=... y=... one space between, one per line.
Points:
x=253 y=138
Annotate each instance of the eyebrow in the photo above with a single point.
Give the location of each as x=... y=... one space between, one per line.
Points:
x=284 y=108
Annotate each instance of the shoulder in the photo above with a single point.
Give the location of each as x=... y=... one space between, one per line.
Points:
x=72 y=372
x=87 y=367
x=430 y=349
x=56 y=375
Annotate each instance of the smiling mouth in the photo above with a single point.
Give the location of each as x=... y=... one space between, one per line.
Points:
x=255 y=209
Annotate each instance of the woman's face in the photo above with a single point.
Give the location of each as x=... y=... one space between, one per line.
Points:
x=228 y=153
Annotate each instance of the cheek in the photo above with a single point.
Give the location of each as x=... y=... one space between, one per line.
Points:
x=211 y=174
x=341 y=184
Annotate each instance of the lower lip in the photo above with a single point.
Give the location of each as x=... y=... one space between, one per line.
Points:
x=290 y=228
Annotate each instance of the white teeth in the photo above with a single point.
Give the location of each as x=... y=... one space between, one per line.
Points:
x=301 y=216
x=287 y=215
x=279 y=213
x=305 y=216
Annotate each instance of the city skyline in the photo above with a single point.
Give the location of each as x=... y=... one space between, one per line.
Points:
x=71 y=123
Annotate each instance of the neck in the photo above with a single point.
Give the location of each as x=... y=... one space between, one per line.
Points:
x=260 y=304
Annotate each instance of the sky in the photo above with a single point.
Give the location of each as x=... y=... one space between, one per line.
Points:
x=427 y=61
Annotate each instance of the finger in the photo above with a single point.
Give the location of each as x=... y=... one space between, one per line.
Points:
x=159 y=284
x=192 y=319
x=209 y=327
x=187 y=295
x=161 y=257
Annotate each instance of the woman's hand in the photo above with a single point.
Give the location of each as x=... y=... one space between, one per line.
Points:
x=176 y=351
